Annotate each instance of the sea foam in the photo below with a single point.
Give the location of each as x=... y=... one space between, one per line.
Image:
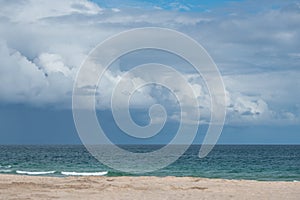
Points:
x=84 y=173
x=34 y=173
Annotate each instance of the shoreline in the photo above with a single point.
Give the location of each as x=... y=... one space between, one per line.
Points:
x=63 y=174
x=142 y=187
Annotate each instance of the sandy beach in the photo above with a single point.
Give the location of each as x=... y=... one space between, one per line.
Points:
x=34 y=187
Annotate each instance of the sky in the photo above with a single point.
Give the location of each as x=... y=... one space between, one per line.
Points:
x=255 y=44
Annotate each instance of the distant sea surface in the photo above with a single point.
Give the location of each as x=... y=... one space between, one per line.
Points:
x=255 y=162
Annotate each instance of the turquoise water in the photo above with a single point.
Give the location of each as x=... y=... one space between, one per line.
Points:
x=256 y=162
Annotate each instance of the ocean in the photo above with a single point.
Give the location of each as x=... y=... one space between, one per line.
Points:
x=254 y=162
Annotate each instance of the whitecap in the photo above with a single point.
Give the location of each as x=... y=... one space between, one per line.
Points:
x=84 y=173
x=35 y=173
x=5 y=166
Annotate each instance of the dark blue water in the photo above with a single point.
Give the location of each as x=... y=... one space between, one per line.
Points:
x=256 y=162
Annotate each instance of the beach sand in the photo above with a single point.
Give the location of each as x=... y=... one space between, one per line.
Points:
x=34 y=187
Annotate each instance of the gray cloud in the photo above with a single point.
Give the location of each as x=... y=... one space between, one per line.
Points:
x=257 y=50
